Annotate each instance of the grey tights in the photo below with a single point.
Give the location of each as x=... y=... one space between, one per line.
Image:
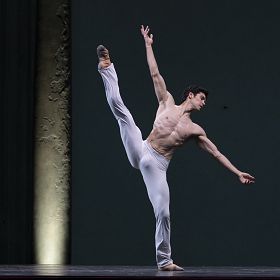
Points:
x=152 y=165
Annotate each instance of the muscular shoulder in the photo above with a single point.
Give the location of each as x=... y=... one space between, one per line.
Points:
x=198 y=130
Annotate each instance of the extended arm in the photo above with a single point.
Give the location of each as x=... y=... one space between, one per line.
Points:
x=208 y=146
x=159 y=84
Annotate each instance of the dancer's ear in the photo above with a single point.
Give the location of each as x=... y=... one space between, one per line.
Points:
x=191 y=95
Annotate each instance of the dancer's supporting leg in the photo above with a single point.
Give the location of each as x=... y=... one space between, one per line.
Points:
x=153 y=168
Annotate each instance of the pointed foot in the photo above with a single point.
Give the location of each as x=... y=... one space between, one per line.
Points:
x=103 y=56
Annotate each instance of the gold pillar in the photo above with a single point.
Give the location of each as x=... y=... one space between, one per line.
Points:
x=52 y=134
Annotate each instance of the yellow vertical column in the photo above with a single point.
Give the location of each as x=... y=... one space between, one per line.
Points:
x=52 y=168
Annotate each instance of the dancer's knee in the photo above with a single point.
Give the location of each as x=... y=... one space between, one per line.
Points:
x=162 y=214
x=114 y=101
x=120 y=112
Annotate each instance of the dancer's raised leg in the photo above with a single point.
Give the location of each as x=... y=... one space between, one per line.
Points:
x=130 y=133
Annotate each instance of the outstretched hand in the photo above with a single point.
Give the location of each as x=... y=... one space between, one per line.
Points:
x=148 y=38
x=246 y=178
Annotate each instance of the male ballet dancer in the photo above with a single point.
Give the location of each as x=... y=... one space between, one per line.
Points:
x=172 y=127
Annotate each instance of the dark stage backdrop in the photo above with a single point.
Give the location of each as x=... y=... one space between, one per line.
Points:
x=231 y=48
x=17 y=60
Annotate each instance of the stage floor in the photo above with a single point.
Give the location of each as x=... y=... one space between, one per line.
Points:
x=134 y=272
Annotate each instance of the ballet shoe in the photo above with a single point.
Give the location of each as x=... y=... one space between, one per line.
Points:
x=171 y=267
x=103 y=57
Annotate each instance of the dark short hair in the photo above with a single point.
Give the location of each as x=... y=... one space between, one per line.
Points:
x=195 y=89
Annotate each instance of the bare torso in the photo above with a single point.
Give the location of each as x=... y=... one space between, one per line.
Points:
x=172 y=128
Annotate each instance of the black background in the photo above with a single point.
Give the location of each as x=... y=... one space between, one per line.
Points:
x=17 y=78
x=231 y=48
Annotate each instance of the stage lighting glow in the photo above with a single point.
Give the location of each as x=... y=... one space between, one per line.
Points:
x=51 y=212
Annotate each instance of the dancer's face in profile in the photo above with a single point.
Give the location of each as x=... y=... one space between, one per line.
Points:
x=198 y=100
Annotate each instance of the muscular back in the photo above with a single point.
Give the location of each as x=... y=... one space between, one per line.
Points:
x=172 y=128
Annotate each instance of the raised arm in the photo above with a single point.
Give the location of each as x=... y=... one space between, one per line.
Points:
x=159 y=84
x=205 y=143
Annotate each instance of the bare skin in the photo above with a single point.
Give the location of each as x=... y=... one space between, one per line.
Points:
x=173 y=126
